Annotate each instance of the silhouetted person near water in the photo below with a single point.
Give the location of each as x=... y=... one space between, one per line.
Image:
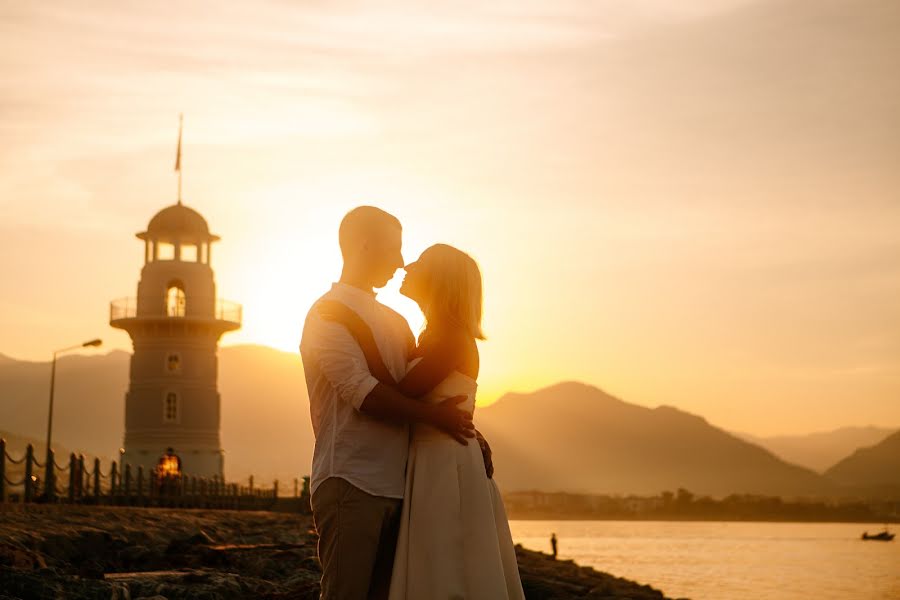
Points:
x=553 y=544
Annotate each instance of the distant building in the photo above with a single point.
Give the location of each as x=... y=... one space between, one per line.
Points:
x=175 y=323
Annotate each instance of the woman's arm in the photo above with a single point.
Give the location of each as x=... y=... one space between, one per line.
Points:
x=440 y=357
x=337 y=312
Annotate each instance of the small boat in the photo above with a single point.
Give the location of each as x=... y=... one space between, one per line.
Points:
x=884 y=536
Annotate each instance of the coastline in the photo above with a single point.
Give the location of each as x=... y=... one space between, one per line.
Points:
x=83 y=552
x=656 y=519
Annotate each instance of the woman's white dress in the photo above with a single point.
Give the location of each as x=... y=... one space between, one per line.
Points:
x=454 y=540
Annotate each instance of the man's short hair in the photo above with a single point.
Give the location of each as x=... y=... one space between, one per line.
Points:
x=363 y=222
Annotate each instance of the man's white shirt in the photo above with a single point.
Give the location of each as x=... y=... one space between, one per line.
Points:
x=369 y=453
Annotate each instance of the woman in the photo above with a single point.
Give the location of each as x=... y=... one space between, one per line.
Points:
x=454 y=539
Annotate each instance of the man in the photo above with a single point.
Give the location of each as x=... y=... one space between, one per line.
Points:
x=361 y=425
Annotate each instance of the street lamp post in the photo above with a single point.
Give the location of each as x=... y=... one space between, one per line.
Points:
x=49 y=483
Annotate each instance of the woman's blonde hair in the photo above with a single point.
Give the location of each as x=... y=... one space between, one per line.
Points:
x=453 y=289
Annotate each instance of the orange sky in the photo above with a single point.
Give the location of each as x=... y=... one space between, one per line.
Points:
x=690 y=206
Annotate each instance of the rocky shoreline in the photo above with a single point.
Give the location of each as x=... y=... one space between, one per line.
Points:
x=126 y=553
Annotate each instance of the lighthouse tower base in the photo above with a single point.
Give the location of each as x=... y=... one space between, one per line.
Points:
x=195 y=461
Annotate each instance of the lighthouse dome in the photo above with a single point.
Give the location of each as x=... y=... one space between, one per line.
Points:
x=178 y=222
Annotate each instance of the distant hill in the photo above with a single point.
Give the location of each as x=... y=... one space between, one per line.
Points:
x=89 y=407
x=575 y=437
x=875 y=466
x=265 y=413
x=265 y=409
x=818 y=451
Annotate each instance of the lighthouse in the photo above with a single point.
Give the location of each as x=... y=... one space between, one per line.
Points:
x=175 y=323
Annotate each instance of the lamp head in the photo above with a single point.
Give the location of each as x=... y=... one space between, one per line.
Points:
x=95 y=343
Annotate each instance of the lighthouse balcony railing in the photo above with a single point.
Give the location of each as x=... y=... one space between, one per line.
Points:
x=222 y=310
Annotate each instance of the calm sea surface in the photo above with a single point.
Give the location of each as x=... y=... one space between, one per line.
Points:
x=730 y=561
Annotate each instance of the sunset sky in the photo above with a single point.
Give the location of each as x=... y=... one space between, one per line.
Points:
x=685 y=203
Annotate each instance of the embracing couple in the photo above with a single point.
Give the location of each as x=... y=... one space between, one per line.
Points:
x=401 y=486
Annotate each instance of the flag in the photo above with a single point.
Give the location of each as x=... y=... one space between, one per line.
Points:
x=178 y=153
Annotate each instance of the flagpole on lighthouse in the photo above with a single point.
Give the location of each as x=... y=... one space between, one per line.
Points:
x=178 y=154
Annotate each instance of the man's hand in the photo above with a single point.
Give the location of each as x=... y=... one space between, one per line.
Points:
x=485 y=454
x=452 y=421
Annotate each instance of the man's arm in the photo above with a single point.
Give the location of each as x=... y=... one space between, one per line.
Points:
x=333 y=351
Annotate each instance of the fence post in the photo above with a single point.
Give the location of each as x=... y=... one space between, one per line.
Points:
x=113 y=477
x=80 y=489
x=2 y=470
x=127 y=489
x=251 y=485
x=29 y=466
x=97 y=480
x=140 y=483
x=50 y=477
x=73 y=462
x=275 y=489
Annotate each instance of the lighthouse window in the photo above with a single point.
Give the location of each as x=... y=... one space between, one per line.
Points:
x=165 y=251
x=175 y=300
x=170 y=409
x=173 y=363
x=189 y=253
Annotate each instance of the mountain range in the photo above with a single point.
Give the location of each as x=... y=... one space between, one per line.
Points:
x=821 y=450
x=575 y=437
x=874 y=466
x=567 y=437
